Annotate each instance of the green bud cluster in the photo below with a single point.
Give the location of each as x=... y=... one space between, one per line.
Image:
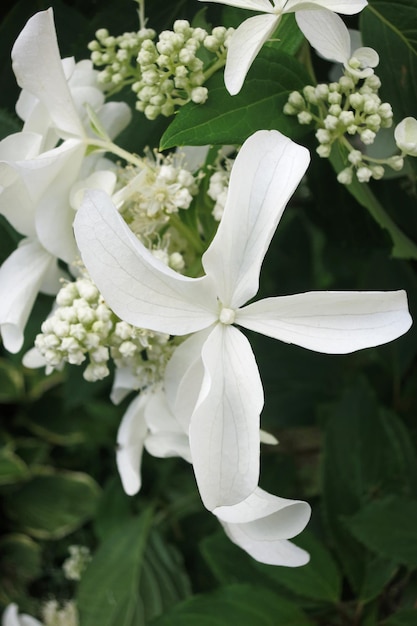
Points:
x=164 y=73
x=349 y=108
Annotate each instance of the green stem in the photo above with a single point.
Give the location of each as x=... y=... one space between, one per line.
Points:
x=187 y=233
x=221 y=61
x=109 y=146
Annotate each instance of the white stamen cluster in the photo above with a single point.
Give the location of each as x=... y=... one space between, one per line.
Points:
x=56 y=614
x=219 y=185
x=83 y=327
x=74 y=566
x=171 y=73
x=350 y=107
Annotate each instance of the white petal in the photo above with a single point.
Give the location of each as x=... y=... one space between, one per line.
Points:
x=124 y=381
x=224 y=430
x=130 y=440
x=327 y=33
x=38 y=69
x=406 y=136
x=21 y=277
x=266 y=172
x=347 y=7
x=270 y=552
x=114 y=117
x=166 y=437
x=252 y=5
x=261 y=524
x=330 y=322
x=368 y=58
x=243 y=47
x=139 y=288
x=33 y=359
x=184 y=374
x=11 y=617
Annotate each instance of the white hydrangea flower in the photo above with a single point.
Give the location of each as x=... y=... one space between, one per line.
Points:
x=249 y=38
x=212 y=380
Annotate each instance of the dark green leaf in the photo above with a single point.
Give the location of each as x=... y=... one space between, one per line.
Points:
x=226 y=119
x=12 y=468
x=405 y=617
x=245 y=605
x=20 y=563
x=389 y=528
x=52 y=505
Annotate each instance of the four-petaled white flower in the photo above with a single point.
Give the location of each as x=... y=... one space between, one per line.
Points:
x=39 y=165
x=251 y=35
x=212 y=380
x=328 y=34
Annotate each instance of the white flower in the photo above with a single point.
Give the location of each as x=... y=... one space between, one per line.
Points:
x=249 y=38
x=212 y=380
x=327 y=33
x=39 y=165
x=11 y=617
x=406 y=136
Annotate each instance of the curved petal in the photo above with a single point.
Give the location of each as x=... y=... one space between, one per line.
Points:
x=243 y=47
x=270 y=552
x=166 y=437
x=124 y=381
x=184 y=374
x=368 y=59
x=139 y=288
x=265 y=174
x=262 y=523
x=130 y=439
x=114 y=117
x=330 y=322
x=224 y=430
x=346 y=7
x=406 y=136
x=21 y=277
x=38 y=69
x=327 y=33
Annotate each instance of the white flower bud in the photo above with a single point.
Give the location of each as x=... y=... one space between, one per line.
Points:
x=324 y=150
x=345 y=176
x=355 y=157
x=363 y=174
x=304 y=117
x=396 y=163
x=367 y=136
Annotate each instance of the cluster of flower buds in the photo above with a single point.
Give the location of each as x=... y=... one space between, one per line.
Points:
x=75 y=565
x=165 y=73
x=82 y=326
x=59 y=614
x=350 y=107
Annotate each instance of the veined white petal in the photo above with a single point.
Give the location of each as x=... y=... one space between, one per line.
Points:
x=252 y=5
x=130 y=439
x=265 y=174
x=330 y=322
x=38 y=69
x=139 y=288
x=21 y=277
x=224 y=430
x=244 y=45
x=347 y=7
x=327 y=33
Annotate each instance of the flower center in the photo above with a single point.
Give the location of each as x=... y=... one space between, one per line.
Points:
x=227 y=316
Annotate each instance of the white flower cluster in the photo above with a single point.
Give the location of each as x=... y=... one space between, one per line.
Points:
x=349 y=107
x=54 y=614
x=82 y=326
x=164 y=74
x=76 y=563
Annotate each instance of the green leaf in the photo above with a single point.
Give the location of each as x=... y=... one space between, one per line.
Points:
x=363 y=458
x=389 y=528
x=52 y=505
x=226 y=119
x=318 y=581
x=378 y=573
x=108 y=591
x=404 y=617
x=12 y=468
x=391 y=28
x=20 y=563
x=12 y=382
x=245 y=605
